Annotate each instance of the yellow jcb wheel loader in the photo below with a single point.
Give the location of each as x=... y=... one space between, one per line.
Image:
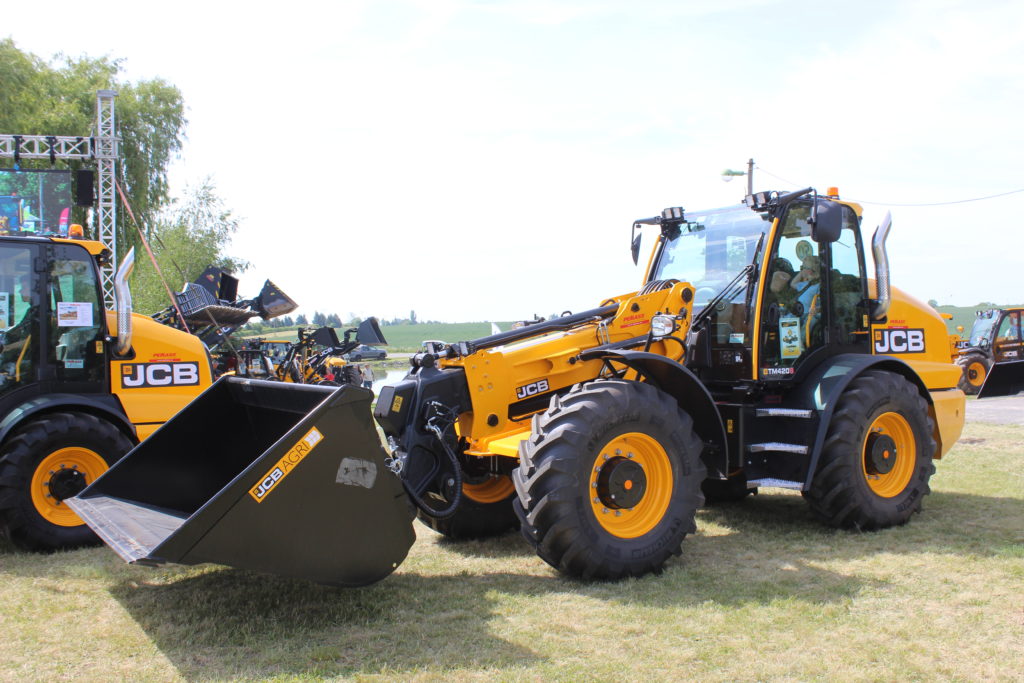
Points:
x=757 y=354
x=992 y=356
x=79 y=386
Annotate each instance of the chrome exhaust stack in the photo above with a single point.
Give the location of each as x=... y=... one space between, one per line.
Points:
x=882 y=267
x=123 y=295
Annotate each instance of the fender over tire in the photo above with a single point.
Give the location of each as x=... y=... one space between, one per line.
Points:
x=605 y=438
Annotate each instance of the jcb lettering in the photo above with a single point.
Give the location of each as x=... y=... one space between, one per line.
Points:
x=899 y=340
x=532 y=389
x=136 y=375
x=263 y=488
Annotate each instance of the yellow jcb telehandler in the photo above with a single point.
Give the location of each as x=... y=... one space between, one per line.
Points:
x=757 y=354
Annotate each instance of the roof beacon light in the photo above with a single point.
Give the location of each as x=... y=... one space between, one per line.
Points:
x=833 y=192
x=76 y=232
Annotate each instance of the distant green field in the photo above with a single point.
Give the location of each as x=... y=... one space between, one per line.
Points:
x=408 y=337
x=964 y=315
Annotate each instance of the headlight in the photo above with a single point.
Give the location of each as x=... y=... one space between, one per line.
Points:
x=663 y=325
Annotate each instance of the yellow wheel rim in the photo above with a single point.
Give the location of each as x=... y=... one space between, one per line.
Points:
x=491 y=491
x=889 y=453
x=60 y=473
x=642 y=480
x=976 y=373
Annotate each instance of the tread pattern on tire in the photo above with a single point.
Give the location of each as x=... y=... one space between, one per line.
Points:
x=839 y=494
x=553 y=513
x=18 y=460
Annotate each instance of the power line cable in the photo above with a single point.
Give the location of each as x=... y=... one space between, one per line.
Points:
x=865 y=201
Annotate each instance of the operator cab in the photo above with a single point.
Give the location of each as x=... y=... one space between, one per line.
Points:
x=52 y=324
x=774 y=295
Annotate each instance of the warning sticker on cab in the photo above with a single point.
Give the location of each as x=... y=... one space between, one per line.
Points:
x=285 y=465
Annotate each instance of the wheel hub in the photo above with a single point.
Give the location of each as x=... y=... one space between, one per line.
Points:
x=881 y=455
x=621 y=483
x=66 y=483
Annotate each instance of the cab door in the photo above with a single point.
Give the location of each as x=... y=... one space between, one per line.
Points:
x=814 y=297
x=1007 y=344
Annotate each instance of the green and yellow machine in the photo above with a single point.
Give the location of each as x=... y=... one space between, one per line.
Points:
x=758 y=353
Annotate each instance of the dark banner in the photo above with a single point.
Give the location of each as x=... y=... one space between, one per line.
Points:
x=35 y=201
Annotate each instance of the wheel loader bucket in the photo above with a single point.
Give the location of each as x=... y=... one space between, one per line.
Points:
x=1003 y=379
x=282 y=478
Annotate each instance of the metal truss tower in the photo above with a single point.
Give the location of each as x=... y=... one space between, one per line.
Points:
x=103 y=149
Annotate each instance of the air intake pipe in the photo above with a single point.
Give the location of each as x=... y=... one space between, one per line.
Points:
x=123 y=295
x=882 y=267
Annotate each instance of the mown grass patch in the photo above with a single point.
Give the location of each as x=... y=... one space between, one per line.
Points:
x=761 y=592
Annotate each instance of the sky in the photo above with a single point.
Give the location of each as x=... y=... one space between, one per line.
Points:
x=484 y=160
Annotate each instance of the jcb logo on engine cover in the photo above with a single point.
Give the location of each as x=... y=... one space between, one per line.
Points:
x=532 y=389
x=137 y=375
x=893 y=340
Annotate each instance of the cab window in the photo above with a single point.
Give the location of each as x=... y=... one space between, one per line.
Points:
x=19 y=318
x=76 y=335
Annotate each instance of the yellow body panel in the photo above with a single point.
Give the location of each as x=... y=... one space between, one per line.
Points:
x=947 y=410
x=915 y=333
x=161 y=369
x=504 y=376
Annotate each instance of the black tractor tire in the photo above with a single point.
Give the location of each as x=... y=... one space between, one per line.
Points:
x=726 y=490
x=877 y=457
x=590 y=446
x=47 y=460
x=490 y=514
x=975 y=369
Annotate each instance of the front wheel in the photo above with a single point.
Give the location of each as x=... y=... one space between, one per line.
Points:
x=877 y=457
x=975 y=370
x=47 y=461
x=609 y=482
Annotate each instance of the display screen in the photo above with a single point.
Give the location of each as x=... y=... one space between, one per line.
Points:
x=35 y=201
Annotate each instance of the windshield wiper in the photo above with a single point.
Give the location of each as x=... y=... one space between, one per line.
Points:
x=733 y=288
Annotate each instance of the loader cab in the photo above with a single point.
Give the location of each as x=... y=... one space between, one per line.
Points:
x=814 y=299
x=52 y=325
x=802 y=298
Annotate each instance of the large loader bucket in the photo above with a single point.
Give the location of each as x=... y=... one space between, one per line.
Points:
x=282 y=478
x=1003 y=379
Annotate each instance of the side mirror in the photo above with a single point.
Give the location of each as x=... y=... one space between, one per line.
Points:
x=828 y=221
x=635 y=244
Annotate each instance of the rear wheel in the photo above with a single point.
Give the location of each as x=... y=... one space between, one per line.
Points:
x=877 y=458
x=609 y=482
x=485 y=510
x=46 y=462
x=975 y=370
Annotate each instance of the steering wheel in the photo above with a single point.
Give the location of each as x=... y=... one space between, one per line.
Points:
x=703 y=295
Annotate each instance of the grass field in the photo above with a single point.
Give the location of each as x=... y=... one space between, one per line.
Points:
x=762 y=592
x=407 y=337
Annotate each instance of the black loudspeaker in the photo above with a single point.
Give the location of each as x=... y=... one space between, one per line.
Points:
x=84 y=191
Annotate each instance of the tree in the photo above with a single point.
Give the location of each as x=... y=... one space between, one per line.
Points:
x=412 y=317
x=933 y=303
x=301 y=320
x=186 y=238
x=39 y=98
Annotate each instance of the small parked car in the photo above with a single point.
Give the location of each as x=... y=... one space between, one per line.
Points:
x=364 y=352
